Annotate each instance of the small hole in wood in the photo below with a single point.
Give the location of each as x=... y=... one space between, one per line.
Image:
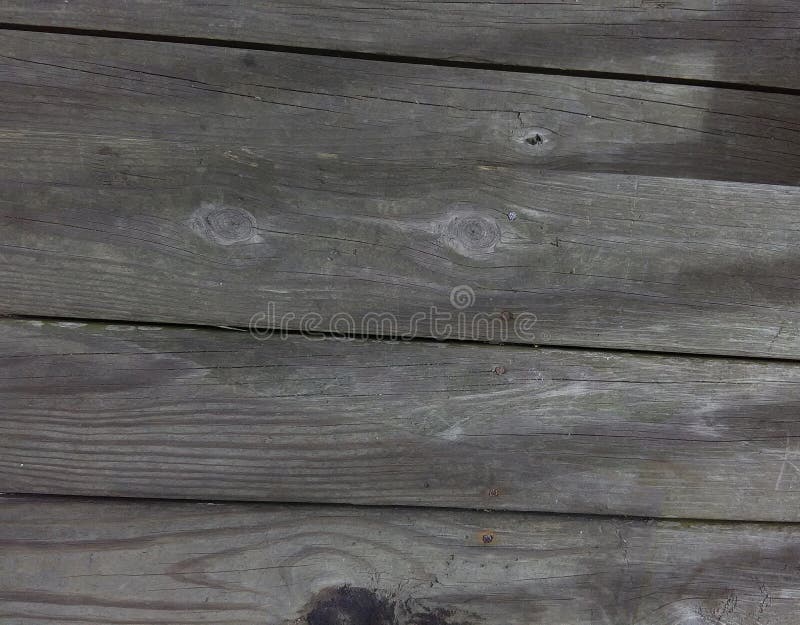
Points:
x=535 y=139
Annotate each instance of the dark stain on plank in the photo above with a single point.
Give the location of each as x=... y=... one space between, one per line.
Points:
x=348 y=605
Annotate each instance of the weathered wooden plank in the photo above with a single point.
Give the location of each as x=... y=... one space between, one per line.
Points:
x=87 y=562
x=755 y=41
x=200 y=413
x=163 y=182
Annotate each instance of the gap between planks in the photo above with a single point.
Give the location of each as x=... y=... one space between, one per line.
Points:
x=406 y=508
x=402 y=59
x=320 y=335
x=724 y=40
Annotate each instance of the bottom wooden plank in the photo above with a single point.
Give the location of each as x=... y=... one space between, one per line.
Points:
x=87 y=562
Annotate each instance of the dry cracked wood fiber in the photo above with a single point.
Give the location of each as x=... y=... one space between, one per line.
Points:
x=175 y=183
x=195 y=413
x=752 y=41
x=151 y=563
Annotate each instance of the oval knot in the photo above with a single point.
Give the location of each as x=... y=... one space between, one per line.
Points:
x=473 y=232
x=224 y=225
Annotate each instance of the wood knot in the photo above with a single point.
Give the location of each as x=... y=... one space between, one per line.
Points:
x=534 y=140
x=224 y=225
x=473 y=233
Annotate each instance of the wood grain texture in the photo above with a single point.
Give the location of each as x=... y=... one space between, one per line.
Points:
x=160 y=563
x=191 y=413
x=176 y=183
x=750 y=41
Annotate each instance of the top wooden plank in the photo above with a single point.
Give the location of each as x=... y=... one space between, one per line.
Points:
x=752 y=41
x=194 y=184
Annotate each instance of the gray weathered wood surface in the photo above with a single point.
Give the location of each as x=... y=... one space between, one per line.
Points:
x=177 y=183
x=214 y=414
x=168 y=563
x=743 y=41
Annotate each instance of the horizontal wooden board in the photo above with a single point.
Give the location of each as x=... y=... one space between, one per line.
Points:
x=87 y=562
x=176 y=183
x=198 y=413
x=750 y=41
